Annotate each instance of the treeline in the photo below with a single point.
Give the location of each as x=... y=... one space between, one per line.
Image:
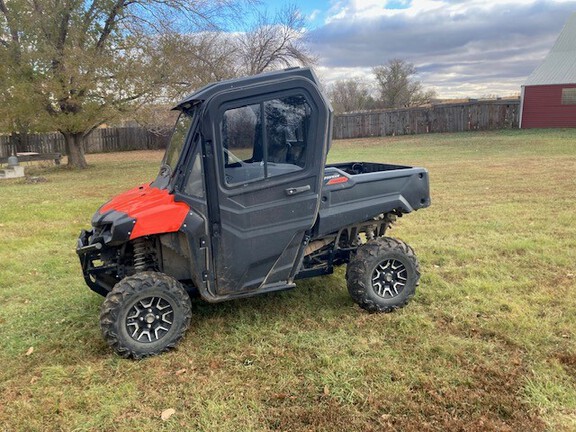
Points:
x=76 y=66
x=393 y=85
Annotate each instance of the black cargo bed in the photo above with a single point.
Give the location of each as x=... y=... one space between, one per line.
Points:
x=360 y=191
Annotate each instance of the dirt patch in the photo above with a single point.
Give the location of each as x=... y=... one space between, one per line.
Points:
x=568 y=362
x=318 y=415
x=35 y=179
x=489 y=400
x=128 y=156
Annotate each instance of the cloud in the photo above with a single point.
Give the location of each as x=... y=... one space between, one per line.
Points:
x=314 y=14
x=489 y=46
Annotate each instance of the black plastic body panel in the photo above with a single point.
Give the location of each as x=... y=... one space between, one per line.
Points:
x=112 y=228
x=195 y=231
x=380 y=188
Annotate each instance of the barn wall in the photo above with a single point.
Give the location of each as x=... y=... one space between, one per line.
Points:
x=542 y=107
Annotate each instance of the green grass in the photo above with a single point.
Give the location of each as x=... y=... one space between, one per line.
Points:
x=488 y=343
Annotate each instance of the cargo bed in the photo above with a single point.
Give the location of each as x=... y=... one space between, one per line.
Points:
x=355 y=191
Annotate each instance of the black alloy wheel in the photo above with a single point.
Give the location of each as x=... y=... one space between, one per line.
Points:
x=145 y=314
x=383 y=274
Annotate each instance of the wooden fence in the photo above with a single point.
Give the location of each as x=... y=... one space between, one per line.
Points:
x=469 y=116
x=39 y=143
x=482 y=115
x=99 y=141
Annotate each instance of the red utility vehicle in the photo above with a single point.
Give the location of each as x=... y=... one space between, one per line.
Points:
x=243 y=205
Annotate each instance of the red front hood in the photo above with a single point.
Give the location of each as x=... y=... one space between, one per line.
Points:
x=154 y=210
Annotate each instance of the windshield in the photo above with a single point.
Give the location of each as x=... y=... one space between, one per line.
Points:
x=177 y=141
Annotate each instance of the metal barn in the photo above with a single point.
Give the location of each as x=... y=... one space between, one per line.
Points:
x=549 y=95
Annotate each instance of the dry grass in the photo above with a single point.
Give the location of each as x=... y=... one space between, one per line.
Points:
x=488 y=343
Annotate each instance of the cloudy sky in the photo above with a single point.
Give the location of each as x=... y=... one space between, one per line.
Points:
x=462 y=48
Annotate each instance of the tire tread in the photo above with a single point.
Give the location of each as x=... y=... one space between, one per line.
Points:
x=117 y=298
x=359 y=266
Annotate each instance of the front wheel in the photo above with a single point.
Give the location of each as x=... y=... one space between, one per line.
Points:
x=145 y=314
x=383 y=275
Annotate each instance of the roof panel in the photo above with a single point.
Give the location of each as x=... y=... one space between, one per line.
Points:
x=559 y=67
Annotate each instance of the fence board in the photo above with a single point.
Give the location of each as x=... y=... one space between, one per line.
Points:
x=480 y=115
x=469 y=116
x=100 y=141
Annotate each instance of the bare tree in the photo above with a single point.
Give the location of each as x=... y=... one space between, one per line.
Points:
x=397 y=86
x=72 y=65
x=192 y=60
x=210 y=56
x=350 y=95
x=197 y=59
x=280 y=42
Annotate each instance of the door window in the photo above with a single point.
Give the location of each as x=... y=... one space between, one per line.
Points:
x=265 y=139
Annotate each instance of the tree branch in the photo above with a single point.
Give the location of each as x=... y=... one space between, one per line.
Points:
x=109 y=23
x=92 y=127
x=88 y=15
x=13 y=30
x=63 y=31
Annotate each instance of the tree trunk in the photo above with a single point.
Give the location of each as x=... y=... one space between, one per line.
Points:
x=74 y=144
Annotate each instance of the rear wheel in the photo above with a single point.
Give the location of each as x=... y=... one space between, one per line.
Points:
x=145 y=314
x=383 y=275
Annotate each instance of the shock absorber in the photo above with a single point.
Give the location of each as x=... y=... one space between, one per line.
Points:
x=139 y=254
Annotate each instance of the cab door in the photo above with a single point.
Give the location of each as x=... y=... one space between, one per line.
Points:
x=269 y=145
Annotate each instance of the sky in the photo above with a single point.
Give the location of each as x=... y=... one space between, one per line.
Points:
x=461 y=48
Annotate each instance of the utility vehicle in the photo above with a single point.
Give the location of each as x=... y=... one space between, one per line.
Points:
x=244 y=204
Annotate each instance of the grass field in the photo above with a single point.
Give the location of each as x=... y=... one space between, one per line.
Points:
x=488 y=343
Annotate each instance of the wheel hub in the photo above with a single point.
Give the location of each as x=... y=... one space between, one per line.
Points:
x=389 y=278
x=149 y=319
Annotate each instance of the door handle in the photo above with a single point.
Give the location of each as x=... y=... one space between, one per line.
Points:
x=297 y=190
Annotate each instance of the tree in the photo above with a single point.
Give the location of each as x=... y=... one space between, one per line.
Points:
x=197 y=59
x=397 y=86
x=274 y=43
x=350 y=95
x=73 y=65
x=209 y=56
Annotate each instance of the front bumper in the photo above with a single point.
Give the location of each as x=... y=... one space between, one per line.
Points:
x=99 y=277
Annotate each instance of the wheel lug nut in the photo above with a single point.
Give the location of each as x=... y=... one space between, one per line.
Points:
x=149 y=310
x=157 y=316
x=141 y=318
x=149 y=325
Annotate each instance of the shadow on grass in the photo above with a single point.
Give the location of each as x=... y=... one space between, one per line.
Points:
x=326 y=294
